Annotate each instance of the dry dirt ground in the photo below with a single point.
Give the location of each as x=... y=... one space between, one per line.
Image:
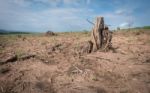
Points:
x=55 y=64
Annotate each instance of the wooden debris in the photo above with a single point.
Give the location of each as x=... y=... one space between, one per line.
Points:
x=11 y=57
x=8 y=58
x=26 y=56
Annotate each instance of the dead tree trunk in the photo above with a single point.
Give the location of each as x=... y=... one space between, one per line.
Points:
x=97 y=36
x=101 y=37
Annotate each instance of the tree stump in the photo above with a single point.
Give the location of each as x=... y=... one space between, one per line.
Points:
x=101 y=36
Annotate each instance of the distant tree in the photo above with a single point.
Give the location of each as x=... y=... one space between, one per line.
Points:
x=118 y=28
x=146 y=27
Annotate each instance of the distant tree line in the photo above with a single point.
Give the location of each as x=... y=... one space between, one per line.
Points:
x=4 y=32
x=144 y=27
x=14 y=33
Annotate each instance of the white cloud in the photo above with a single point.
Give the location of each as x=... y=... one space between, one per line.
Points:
x=88 y=2
x=52 y=3
x=120 y=12
x=22 y=3
x=56 y=19
x=71 y=1
x=126 y=24
x=28 y=3
x=124 y=11
x=20 y=14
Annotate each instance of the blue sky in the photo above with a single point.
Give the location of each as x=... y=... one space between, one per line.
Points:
x=71 y=15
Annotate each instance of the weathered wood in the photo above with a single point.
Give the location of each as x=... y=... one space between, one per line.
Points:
x=97 y=33
x=107 y=38
x=101 y=36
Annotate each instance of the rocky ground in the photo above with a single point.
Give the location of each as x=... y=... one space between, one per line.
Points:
x=55 y=64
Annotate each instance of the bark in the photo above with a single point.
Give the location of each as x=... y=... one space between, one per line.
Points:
x=101 y=36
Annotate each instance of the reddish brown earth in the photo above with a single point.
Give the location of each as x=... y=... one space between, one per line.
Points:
x=42 y=64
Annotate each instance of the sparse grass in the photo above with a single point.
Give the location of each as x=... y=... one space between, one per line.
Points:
x=95 y=78
x=19 y=53
x=1 y=50
x=8 y=38
x=84 y=33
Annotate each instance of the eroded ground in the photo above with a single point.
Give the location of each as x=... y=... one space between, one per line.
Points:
x=53 y=64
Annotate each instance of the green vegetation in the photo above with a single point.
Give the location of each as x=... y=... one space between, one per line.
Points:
x=5 y=32
x=19 y=53
x=144 y=27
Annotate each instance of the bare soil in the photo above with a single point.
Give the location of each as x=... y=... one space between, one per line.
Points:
x=57 y=64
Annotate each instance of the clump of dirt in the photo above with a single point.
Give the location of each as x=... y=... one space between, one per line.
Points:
x=4 y=70
x=21 y=37
x=57 y=47
x=84 y=47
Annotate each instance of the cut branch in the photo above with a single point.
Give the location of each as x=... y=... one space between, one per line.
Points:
x=90 y=22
